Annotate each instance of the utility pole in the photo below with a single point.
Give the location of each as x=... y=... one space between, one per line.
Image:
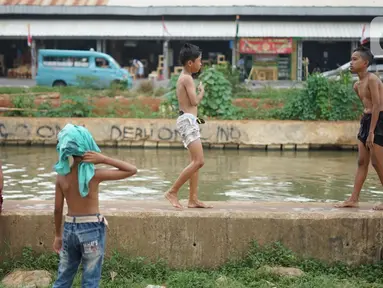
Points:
x=33 y=59
x=166 y=57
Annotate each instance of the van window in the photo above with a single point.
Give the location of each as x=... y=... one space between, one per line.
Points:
x=65 y=61
x=379 y=65
x=102 y=63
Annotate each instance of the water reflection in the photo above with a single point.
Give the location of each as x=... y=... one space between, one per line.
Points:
x=227 y=175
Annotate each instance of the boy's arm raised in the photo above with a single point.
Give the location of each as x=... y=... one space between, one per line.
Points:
x=124 y=169
x=190 y=90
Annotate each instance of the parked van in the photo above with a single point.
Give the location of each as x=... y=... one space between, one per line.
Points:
x=79 y=68
x=375 y=67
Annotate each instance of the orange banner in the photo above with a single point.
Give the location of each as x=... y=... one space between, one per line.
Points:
x=266 y=45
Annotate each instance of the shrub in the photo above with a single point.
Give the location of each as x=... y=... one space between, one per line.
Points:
x=324 y=99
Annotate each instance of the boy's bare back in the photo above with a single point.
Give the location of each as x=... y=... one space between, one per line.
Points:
x=78 y=205
x=363 y=89
x=67 y=187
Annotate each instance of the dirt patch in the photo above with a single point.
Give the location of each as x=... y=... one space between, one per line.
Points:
x=257 y=103
x=119 y=105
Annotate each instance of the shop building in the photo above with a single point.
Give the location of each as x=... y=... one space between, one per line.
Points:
x=272 y=41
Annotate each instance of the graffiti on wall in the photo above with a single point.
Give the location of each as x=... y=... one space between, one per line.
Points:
x=220 y=133
x=24 y=131
x=155 y=132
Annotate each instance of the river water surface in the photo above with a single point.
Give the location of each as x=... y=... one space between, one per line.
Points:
x=227 y=175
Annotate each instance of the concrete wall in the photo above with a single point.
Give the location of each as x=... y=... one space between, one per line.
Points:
x=207 y=238
x=163 y=133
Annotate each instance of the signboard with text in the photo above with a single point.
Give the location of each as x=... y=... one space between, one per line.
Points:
x=266 y=45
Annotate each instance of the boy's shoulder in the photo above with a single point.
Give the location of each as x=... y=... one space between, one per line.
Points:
x=373 y=77
x=184 y=78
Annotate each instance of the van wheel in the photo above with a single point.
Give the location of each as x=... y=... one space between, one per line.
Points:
x=116 y=84
x=59 y=83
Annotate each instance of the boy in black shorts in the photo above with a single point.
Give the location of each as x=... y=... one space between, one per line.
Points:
x=369 y=88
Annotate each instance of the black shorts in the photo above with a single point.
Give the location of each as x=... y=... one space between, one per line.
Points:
x=365 y=123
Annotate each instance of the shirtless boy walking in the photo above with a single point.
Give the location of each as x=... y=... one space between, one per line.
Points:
x=83 y=238
x=187 y=126
x=369 y=88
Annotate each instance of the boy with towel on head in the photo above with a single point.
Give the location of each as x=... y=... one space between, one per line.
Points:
x=83 y=238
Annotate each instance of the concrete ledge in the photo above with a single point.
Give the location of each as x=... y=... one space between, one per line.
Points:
x=160 y=133
x=207 y=238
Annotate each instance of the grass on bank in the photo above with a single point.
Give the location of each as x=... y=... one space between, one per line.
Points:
x=23 y=98
x=245 y=273
x=145 y=88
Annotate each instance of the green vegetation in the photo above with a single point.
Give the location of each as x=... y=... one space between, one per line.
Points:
x=319 y=99
x=325 y=100
x=78 y=102
x=145 y=88
x=245 y=273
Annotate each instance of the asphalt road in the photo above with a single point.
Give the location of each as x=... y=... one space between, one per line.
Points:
x=5 y=82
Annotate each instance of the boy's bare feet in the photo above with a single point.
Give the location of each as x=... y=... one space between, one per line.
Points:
x=198 y=204
x=347 y=204
x=172 y=198
x=378 y=207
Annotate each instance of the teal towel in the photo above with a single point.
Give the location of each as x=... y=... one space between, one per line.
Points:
x=75 y=140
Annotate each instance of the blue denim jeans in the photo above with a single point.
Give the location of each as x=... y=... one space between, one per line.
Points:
x=82 y=243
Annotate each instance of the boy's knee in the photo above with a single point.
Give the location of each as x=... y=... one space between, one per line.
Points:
x=92 y=263
x=374 y=162
x=199 y=163
x=363 y=162
x=134 y=170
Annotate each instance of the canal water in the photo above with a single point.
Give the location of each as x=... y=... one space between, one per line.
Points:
x=227 y=175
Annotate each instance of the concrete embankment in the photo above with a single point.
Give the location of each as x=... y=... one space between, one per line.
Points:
x=156 y=133
x=207 y=238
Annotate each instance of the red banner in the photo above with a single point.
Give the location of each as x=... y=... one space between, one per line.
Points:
x=266 y=46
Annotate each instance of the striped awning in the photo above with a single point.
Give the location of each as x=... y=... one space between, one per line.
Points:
x=129 y=29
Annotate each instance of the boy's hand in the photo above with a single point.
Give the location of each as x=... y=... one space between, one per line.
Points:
x=200 y=88
x=370 y=141
x=93 y=157
x=57 y=244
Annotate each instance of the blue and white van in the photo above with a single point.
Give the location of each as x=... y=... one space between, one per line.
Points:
x=79 y=68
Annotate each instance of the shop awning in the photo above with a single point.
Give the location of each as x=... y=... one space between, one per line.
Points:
x=306 y=30
x=130 y=29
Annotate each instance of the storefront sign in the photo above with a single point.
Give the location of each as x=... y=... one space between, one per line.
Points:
x=266 y=45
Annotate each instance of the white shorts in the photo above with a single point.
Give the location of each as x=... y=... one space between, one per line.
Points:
x=188 y=127
x=140 y=71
